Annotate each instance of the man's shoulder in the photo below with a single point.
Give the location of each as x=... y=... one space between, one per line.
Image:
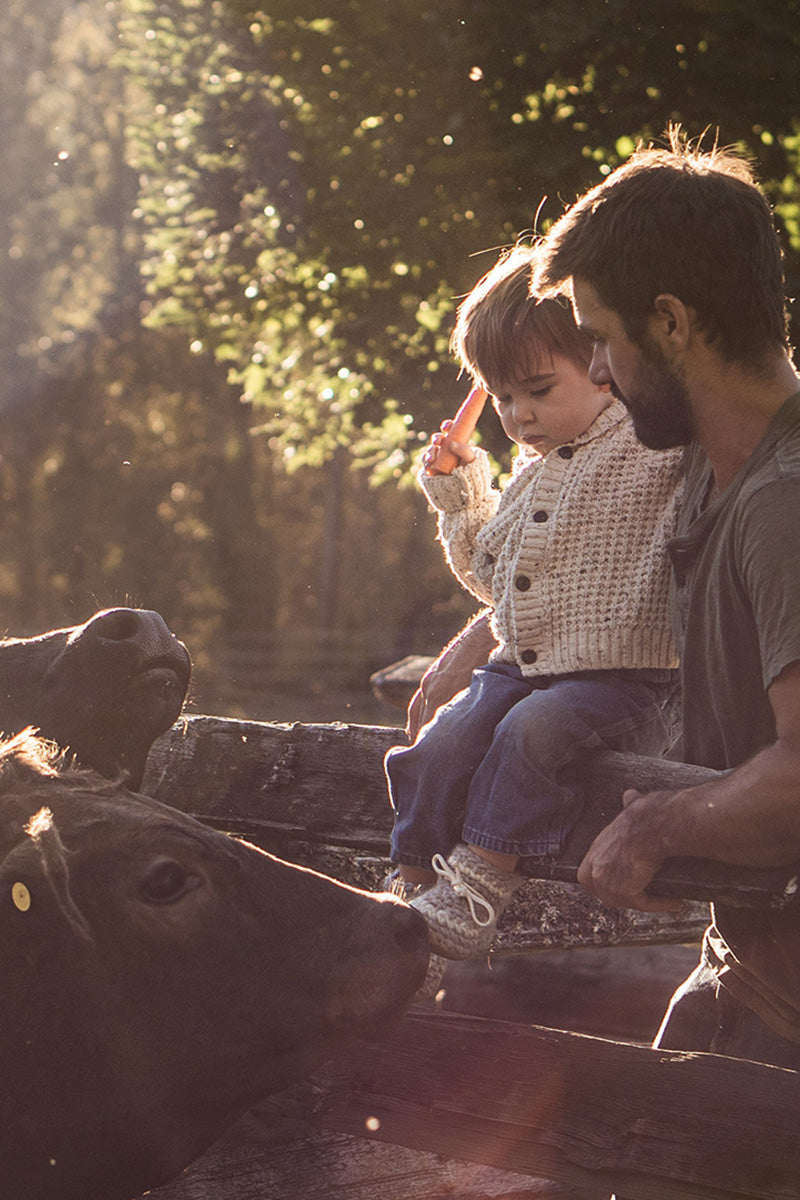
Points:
x=786 y=460
x=767 y=504
x=777 y=472
x=778 y=457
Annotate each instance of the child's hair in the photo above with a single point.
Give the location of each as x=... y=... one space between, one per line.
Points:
x=504 y=332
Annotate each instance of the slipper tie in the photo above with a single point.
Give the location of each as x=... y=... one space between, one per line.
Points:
x=460 y=886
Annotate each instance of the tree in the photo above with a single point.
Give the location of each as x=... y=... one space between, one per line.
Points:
x=210 y=201
x=327 y=178
x=322 y=193
x=127 y=464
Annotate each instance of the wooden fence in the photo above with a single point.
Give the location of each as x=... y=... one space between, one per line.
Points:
x=528 y=1104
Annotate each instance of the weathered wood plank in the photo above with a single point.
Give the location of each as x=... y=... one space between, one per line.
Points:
x=330 y=1166
x=599 y=1115
x=527 y=1102
x=302 y=782
x=530 y=1104
x=316 y=794
x=605 y=777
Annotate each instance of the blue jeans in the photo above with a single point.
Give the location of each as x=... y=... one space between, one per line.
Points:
x=495 y=766
x=704 y=1015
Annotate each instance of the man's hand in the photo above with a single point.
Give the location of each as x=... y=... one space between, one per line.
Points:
x=749 y=817
x=625 y=856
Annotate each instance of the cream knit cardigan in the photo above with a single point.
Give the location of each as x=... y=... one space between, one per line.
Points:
x=572 y=554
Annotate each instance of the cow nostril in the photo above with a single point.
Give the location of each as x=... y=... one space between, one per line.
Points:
x=117 y=625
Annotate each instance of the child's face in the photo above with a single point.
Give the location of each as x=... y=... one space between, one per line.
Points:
x=552 y=406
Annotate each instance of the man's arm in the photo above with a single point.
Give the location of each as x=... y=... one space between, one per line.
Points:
x=451 y=672
x=751 y=817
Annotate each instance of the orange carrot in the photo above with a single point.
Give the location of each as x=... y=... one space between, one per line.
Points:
x=461 y=430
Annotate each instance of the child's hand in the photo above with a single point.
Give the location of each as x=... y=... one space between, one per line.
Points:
x=441 y=442
x=450 y=448
x=451 y=672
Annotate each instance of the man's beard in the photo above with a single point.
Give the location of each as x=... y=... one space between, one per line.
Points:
x=658 y=402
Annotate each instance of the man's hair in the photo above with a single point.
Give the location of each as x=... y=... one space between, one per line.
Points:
x=683 y=221
x=503 y=332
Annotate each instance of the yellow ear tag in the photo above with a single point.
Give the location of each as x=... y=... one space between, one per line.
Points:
x=21 y=897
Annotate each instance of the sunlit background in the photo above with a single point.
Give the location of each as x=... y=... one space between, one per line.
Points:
x=233 y=239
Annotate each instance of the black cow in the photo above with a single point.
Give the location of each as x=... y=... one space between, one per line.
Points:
x=158 y=978
x=105 y=689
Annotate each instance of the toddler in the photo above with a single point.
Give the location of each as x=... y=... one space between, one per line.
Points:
x=571 y=557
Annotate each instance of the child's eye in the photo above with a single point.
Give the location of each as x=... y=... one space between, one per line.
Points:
x=540 y=393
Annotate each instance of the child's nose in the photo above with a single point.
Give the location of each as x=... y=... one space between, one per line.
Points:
x=521 y=408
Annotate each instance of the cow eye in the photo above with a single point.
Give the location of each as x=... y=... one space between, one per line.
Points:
x=166 y=881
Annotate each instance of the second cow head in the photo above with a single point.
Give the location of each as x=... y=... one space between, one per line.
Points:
x=104 y=690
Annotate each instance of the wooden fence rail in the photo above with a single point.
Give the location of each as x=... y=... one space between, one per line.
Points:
x=599 y=1115
x=316 y=794
x=527 y=1102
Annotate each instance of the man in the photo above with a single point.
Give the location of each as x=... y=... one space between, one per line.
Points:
x=674 y=268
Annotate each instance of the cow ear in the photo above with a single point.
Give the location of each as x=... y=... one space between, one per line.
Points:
x=22 y=882
x=27 y=754
x=37 y=868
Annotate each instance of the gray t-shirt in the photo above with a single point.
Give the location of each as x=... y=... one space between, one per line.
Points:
x=737 y=615
x=736 y=598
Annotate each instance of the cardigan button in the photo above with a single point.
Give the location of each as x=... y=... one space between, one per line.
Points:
x=528 y=656
x=522 y=583
x=565 y=452
x=540 y=516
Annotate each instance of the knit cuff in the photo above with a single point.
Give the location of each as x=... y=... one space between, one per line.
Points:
x=468 y=486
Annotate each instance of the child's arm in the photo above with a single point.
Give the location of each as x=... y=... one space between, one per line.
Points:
x=464 y=501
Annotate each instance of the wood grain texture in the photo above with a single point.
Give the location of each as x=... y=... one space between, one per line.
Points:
x=334 y=1166
x=595 y=1114
x=465 y=1107
x=316 y=794
x=540 y=1114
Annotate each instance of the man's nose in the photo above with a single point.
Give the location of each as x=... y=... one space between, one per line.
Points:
x=599 y=372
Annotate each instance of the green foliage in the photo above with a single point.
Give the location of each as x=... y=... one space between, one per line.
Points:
x=314 y=227
x=313 y=187
x=126 y=465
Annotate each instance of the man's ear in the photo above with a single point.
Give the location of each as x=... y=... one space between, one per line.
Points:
x=671 y=322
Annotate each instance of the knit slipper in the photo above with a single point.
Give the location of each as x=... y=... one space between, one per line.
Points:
x=463 y=906
x=397 y=886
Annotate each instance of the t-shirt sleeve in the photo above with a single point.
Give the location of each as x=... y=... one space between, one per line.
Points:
x=769 y=553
